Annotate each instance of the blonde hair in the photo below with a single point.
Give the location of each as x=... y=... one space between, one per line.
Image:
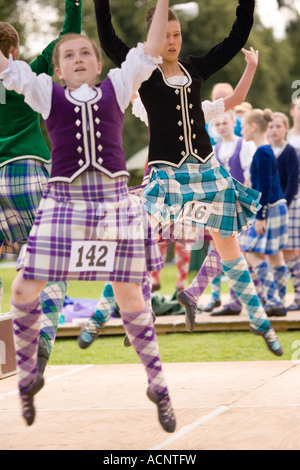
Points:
x=8 y=38
x=221 y=86
x=69 y=37
x=243 y=108
x=260 y=117
x=283 y=117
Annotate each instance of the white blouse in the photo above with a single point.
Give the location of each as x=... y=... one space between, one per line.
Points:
x=37 y=89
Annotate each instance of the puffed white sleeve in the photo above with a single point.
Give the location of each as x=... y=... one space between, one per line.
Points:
x=136 y=69
x=37 y=89
x=139 y=110
x=212 y=109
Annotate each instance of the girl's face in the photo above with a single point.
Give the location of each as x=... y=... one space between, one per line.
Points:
x=225 y=126
x=248 y=129
x=295 y=112
x=172 y=46
x=78 y=63
x=277 y=132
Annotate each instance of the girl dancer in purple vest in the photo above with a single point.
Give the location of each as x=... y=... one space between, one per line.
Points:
x=24 y=156
x=84 y=228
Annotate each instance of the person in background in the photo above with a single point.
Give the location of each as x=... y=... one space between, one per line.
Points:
x=267 y=237
x=288 y=168
x=235 y=155
x=293 y=138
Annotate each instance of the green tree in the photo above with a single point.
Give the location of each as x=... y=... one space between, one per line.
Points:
x=278 y=59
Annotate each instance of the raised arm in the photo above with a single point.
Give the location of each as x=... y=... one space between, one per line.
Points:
x=72 y=24
x=115 y=49
x=157 y=32
x=226 y=50
x=242 y=88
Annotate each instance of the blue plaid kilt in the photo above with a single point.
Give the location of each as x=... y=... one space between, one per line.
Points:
x=275 y=237
x=294 y=224
x=21 y=188
x=90 y=230
x=171 y=193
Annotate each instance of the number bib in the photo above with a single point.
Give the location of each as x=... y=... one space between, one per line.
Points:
x=196 y=211
x=92 y=256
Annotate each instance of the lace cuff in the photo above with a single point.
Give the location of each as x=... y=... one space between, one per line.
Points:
x=139 y=111
x=213 y=109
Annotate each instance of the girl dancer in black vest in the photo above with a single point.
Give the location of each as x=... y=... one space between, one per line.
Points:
x=186 y=181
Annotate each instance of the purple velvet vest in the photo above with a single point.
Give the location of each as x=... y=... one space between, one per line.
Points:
x=235 y=168
x=86 y=135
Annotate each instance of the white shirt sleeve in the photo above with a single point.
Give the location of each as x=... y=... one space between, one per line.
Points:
x=212 y=109
x=136 y=69
x=246 y=156
x=37 y=89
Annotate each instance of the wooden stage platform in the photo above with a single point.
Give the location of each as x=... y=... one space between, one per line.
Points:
x=204 y=322
x=219 y=406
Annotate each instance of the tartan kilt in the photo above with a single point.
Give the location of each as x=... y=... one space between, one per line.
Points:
x=275 y=237
x=232 y=205
x=91 y=229
x=294 y=224
x=21 y=188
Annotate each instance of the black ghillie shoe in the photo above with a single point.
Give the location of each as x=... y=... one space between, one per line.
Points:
x=270 y=339
x=212 y=305
x=294 y=306
x=27 y=400
x=127 y=343
x=89 y=333
x=226 y=310
x=190 y=307
x=166 y=415
x=275 y=310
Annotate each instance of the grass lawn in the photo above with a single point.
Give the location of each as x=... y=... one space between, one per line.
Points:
x=176 y=347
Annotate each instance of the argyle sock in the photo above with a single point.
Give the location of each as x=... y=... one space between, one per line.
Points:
x=182 y=257
x=266 y=278
x=240 y=281
x=146 y=289
x=140 y=330
x=215 y=287
x=257 y=284
x=52 y=301
x=281 y=276
x=210 y=268
x=1 y=292
x=293 y=266
x=104 y=305
x=26 y=327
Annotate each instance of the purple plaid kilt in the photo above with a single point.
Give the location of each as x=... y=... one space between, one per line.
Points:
x=275 y=237
x=94 y=208
x=294 y=224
